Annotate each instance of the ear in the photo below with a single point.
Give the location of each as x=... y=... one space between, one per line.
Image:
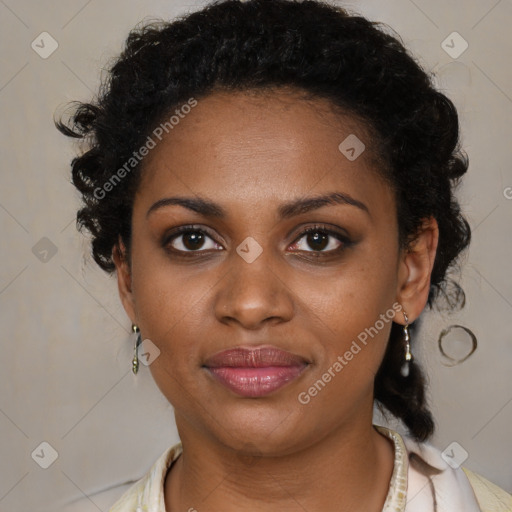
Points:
x=415 y=269
x=124 y=280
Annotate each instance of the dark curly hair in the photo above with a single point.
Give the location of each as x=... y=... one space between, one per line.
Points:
x=360 y=66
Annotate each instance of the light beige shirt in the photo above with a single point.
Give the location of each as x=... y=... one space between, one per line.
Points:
x=450 y=490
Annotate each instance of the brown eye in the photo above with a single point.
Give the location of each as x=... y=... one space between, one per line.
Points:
x=317 y=241
x=193 y=240
x=321 y=240
x=190 y=240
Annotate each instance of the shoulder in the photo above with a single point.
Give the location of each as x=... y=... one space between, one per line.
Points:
x=147 y=493
x=437 y=477
x=491 y=497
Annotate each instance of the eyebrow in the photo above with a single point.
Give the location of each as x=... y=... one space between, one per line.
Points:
x=301 y=205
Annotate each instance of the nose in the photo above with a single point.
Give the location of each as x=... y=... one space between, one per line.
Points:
x=253 y=294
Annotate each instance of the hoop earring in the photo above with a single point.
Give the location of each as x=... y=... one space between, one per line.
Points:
x=406 y=367
x=135 y=360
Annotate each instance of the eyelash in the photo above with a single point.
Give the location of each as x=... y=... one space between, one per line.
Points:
x=318 y=228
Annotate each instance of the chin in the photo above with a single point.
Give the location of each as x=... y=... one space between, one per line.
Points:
x=268 y=429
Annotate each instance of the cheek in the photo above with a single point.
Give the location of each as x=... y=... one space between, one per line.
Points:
x=354 y=295
x=172 y=314
x=354 y=314
x=354 y=340
x=175 y=311
x=168 y=307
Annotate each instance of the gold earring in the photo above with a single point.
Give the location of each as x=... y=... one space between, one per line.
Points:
x=135 y=360
x=406 y=367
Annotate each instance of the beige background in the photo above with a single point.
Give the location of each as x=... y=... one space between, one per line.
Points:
x=66 y=346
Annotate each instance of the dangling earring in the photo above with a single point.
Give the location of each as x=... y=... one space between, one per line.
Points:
x=135 y=360
x=408 y=355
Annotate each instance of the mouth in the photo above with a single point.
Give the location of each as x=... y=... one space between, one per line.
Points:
x=255 y=372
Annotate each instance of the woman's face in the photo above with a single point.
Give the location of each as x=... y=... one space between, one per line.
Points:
x=246 y=275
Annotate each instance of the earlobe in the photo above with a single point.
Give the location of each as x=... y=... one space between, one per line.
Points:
x=124 y=279
x=415 y=269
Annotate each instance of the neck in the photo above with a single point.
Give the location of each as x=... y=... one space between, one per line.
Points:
x=351 y=468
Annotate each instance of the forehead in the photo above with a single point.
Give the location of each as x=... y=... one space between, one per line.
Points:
x=262 y=144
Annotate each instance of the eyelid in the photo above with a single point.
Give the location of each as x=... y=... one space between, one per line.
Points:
x=326 y=228
x=174 y=233
x=343 y=238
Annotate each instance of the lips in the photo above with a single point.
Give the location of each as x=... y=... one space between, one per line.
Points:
x=255 y=372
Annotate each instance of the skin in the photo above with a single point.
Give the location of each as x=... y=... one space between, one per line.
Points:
x=250 y=154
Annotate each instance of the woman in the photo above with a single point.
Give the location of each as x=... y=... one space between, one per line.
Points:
x=272 y=183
